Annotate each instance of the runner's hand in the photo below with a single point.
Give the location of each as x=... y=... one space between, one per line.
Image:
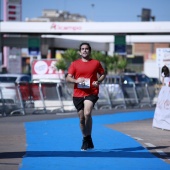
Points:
x=95 y=83
x=80 y=80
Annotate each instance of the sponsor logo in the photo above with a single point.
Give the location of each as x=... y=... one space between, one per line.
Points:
x=55 y=26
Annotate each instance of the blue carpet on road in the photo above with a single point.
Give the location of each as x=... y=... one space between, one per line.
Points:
x=55 y=145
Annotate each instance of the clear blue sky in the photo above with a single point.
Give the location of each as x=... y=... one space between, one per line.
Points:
x=102 y=11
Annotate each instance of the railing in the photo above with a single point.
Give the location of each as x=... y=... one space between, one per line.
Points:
x=35 y=98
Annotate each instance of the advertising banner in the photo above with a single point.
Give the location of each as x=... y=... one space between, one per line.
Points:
x=163 y=57
x=44 y=70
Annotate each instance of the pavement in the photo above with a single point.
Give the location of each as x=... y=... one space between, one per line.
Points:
x=123 y=139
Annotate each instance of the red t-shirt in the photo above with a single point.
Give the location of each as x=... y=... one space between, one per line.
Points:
x=87 y=70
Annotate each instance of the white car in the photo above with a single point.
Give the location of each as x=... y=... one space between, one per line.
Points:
x=8 y=88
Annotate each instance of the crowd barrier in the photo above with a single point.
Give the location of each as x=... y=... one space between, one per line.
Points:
x=45 y=97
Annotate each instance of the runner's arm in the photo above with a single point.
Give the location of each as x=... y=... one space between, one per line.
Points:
x=71 y=79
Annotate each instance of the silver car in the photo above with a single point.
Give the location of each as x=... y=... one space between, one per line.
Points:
x=9 y=95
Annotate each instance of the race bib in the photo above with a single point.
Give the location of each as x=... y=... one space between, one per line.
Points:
x=85 y=85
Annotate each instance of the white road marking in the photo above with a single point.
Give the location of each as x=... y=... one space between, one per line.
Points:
x=137 y=138
x=150 y=144
x=128 y=135
x=161 y=152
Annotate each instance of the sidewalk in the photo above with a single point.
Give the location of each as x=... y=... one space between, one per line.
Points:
x=49 y=145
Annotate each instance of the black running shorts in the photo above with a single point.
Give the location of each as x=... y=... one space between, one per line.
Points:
x=79 y=101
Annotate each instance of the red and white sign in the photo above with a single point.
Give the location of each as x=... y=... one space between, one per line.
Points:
x=46 y=70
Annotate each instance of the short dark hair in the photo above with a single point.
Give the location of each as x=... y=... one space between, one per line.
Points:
x=85 y=43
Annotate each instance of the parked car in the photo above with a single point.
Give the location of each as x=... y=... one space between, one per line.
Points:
x=144 y=87
x=14 y=78
x=8 y=88
x=137 y=78
x=156 y=80
x=128 y=78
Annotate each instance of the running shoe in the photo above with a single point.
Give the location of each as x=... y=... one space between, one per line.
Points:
x=90 y=144
x=84 y=146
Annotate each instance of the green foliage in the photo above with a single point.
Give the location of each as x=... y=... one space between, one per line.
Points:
x=109 y=60
x=116 y=63
x=98 y=56
x=122 y=63
x=70 y=55
x=110 y=63
x=116 y=58
x=110 y=67
x=61 y=64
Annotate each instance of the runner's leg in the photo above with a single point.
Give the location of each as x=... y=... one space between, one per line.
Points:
x=88 y=106
x=82 y=122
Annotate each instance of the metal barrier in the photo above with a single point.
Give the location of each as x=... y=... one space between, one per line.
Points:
x=144 y=96
x=44 y=97
x=10 y=99
x=41 y=97
x=130 y=95
x=30 y=94
x=66 y=92
x=104 y=100
x=116 y=96
x=2 y=103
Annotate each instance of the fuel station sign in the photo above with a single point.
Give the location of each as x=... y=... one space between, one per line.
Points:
x=120 y=44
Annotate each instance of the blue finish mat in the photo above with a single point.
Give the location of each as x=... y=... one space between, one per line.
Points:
x=55 y=145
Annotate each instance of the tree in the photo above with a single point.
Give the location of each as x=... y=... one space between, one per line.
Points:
x=122 y=63
x=110 y=63
x=61 y=64
x=116 y=63
x=100 y=57
x=67 y=57
x=70 y=55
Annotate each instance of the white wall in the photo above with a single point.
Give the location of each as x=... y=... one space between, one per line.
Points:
x=151 y=69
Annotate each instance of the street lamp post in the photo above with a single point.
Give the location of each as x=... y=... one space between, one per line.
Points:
x=92 y=5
